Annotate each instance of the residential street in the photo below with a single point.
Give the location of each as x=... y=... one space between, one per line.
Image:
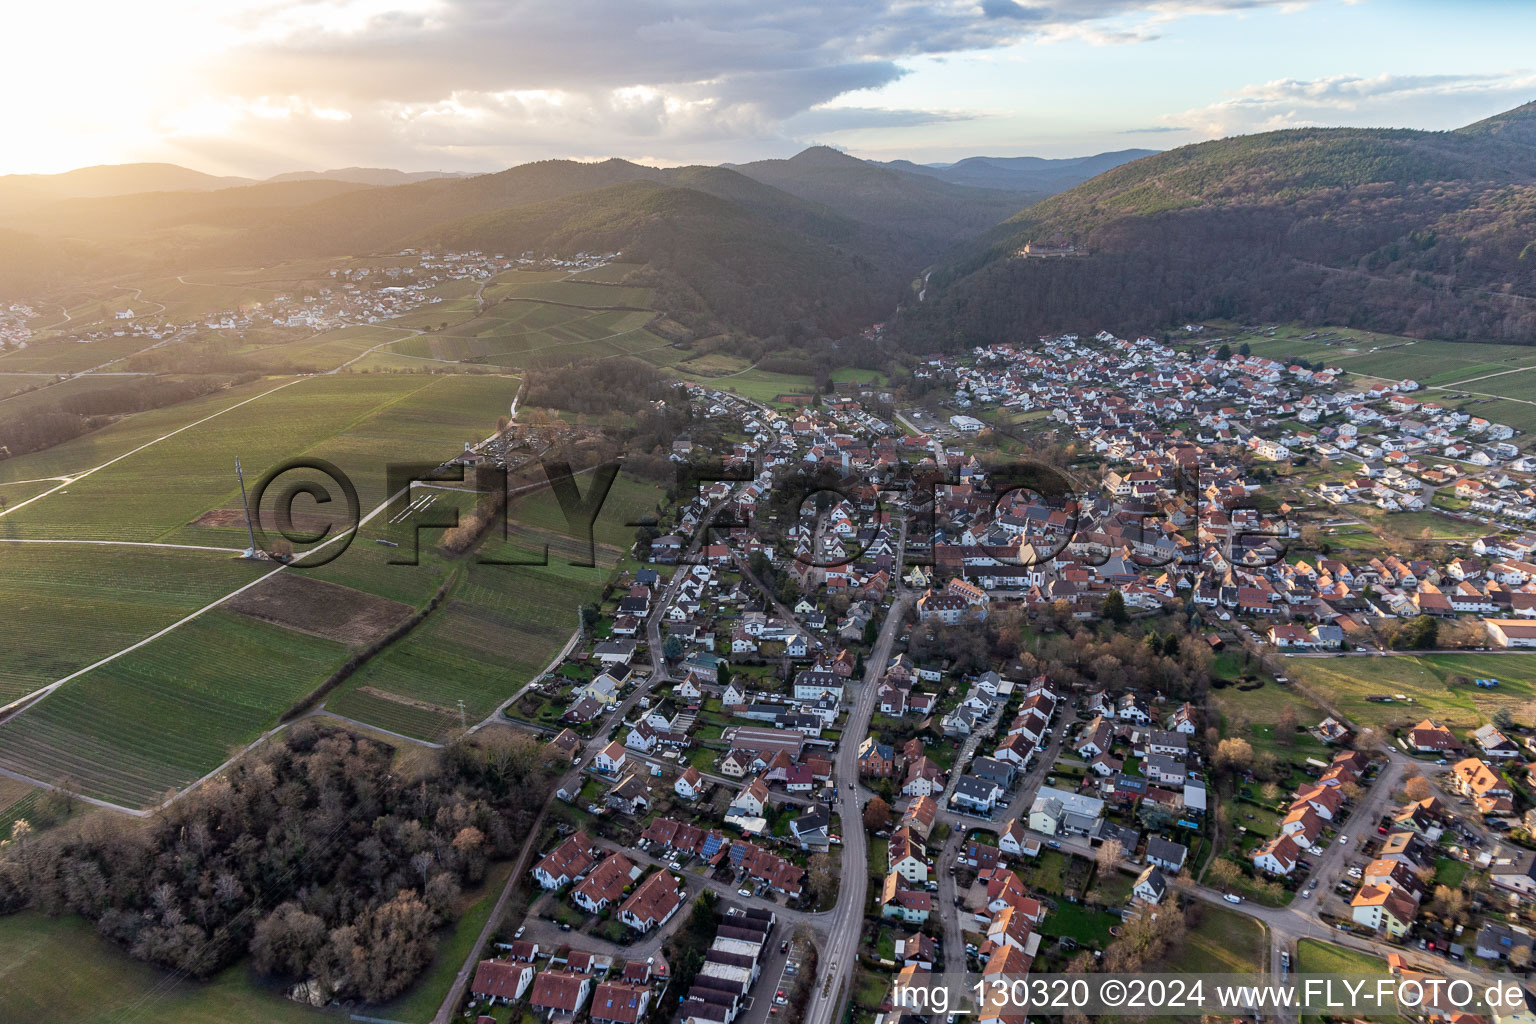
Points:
x=842 y=940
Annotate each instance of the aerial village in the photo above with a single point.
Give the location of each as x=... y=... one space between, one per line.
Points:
x=346 y=296
x=785 y=709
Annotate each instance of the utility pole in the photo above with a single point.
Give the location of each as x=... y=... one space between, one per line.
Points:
x=463 y=726
x=250 y=530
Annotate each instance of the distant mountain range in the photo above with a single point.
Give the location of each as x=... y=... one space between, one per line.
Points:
x=1411 y=232
x=819 y=243
x=1404 y=231
x=1022 y=173
x=127 y=179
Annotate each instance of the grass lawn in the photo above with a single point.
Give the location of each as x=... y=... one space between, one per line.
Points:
x=500 y=627
x=1114 y=888
x=1315 y=957
x=1258 y=820
x=1088 y=927
x=359 y=423
x=1048 y=875
x=877 y=855
x=1449 y=871
x=1224 y=942
x=103 y=984
x=870 y=990
x=1248 y=889
x=1348 y=681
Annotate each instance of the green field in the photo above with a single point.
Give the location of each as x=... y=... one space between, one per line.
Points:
x=759 y=385
x=1346 y=682
x=1431 y=363
x=1518 y=414
x=68 y=605
x=104 y=985
x=1314 y=957
x=587 y=292
x=608 y=273
x=359 y=423
x=629 y=500
x=69 y=356
x=502 y=624
x=48 y=398
x=1413 y=524
x=480 y=647
x=160 y=717
x=128 y=433
x=523 y=332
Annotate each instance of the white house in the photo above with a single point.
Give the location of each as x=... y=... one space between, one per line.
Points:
x=610 y=759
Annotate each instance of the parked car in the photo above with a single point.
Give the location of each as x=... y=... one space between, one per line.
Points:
x=744 y=892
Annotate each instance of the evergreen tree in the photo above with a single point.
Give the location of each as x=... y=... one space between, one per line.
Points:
x=1114 y=608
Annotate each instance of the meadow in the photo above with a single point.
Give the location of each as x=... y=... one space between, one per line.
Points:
x=500 y=627
x=608 y=273
x=57 y=356
x=630 y=500
x=587 y=292
x=1346 y=682
x=106 y=985
x=128 y=433
x=1387 y=356
x=759 y=385
x=15 y=403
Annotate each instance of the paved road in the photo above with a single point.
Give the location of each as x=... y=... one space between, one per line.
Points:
x=842 y=943
x=949 y=891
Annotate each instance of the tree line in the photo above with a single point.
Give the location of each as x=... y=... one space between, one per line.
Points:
x=82 y=412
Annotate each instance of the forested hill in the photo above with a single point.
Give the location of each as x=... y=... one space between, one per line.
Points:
x=1421 y=233
x=770 y=271
x=725 y=246
x=934 y=213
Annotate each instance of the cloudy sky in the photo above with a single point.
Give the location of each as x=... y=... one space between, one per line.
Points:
x=257 y=87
